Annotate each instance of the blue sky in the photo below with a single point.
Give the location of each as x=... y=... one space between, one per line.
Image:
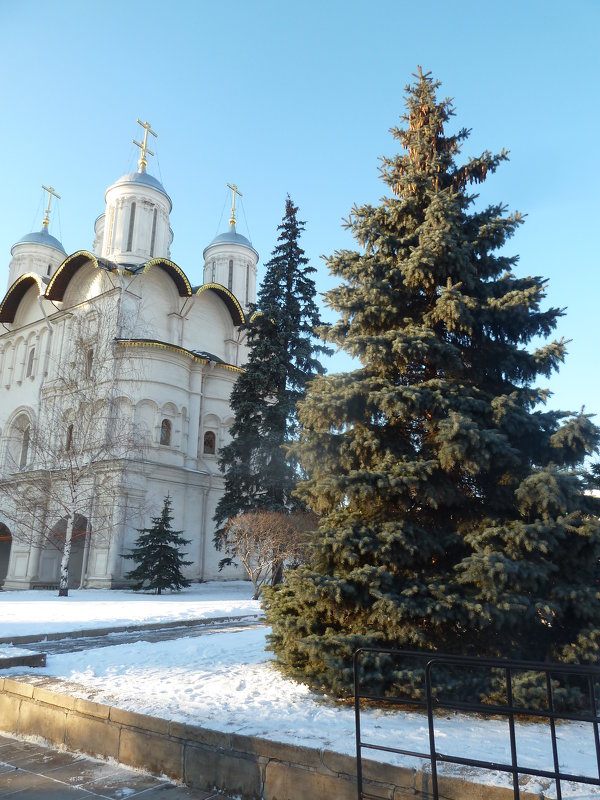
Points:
x=299 y=98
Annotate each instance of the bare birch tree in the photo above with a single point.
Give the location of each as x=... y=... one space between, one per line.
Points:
x=69 y=463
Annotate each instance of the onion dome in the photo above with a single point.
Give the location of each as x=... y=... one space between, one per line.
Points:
x=135 y=226
x=42 y=238
x=38 y=252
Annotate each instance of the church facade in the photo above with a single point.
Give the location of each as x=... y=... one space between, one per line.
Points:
x=115 y=376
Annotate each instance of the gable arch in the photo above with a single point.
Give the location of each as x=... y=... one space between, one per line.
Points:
x=16 y=293
x=176 y=274
x=63 y=275
x=230 y=300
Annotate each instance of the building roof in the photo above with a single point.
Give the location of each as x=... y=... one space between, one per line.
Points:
x=41 y=237
x=231 y=237
x=142 y=179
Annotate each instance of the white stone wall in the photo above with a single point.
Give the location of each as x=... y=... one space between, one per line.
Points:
x=163 y=381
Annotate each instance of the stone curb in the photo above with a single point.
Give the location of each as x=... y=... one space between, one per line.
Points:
x=30 y=660
x=145 y=626
x=248 y=766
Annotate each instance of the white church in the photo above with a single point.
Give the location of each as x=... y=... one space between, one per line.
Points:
x=158 y=360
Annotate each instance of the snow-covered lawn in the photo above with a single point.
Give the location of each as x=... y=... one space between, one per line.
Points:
x=24 y=613
x=226 y=681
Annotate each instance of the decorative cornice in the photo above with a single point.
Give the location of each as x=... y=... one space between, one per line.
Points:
x=175 y=349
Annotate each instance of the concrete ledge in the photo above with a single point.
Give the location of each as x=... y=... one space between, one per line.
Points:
x=143 y=626
x=247 y=766
x=30 y=659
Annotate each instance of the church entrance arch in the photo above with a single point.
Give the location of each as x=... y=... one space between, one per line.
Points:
x=51 y=555
x=5 y=545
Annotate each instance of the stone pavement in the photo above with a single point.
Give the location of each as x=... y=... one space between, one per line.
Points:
x=31 y=771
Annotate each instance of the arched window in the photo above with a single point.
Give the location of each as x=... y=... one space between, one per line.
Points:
x=30 y=358
x=165 y=432
x=210 y=443
x=131 y=223
x=230 y=278
x=69 y=439
x=24 y=447
x=89 y=362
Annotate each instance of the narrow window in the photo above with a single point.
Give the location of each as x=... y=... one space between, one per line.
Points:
x=49 y=270
x=24 y=447
x=131 y=222
x=214 y=271
x=111 y=228
x=247 y=282
x=230 y=279
x=30 y=363
x=153 y=239
x=210 y=442
x=89 y=362
x=165 y=432
x=69 y=439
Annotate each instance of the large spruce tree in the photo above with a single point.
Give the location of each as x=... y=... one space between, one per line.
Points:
x=452 y=515
x=283 y=356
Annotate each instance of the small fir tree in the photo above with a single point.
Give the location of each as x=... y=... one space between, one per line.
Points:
x=157 y=555
x=452 y=515
x=283 y=357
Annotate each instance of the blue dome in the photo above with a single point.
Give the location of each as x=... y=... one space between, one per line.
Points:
x=41 y=237
x=144 y=179
x=231 y=237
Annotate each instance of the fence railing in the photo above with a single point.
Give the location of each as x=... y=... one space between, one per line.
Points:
x=555 y=677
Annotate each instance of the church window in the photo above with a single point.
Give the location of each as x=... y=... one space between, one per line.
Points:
x=24 y=447
x=153 y=239
x=214 y=271
x=69 y=439
x=49 y=270
x=210 y=443
x=131 y=223
x=111 y=225
x=30 y=358
x=165 y=432
x=230 y=278
x=247 y=282
x=89 y=362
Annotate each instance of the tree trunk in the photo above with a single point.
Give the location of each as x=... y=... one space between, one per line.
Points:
x=63 y=586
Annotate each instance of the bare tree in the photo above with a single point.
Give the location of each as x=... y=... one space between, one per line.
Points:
x=265 y=542
x=68 y=464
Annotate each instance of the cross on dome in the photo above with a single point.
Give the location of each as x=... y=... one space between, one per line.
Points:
x=142 y=163
x=51 y=194
x=234 y=191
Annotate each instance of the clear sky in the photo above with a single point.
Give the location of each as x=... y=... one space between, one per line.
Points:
x=298 y=98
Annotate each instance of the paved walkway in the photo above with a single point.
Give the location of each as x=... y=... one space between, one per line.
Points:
x=35 y=772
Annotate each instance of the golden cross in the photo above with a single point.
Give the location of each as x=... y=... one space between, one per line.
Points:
x=142 y=163
x=235 y=191
x=51 y=194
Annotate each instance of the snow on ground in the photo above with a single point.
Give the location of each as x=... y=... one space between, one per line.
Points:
x=226 y=681
x=29 y=612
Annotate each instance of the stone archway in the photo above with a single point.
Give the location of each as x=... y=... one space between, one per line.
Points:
x=5 y=546
x=49 y=571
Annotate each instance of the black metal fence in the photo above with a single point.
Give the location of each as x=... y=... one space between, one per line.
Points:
x=555 y=680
